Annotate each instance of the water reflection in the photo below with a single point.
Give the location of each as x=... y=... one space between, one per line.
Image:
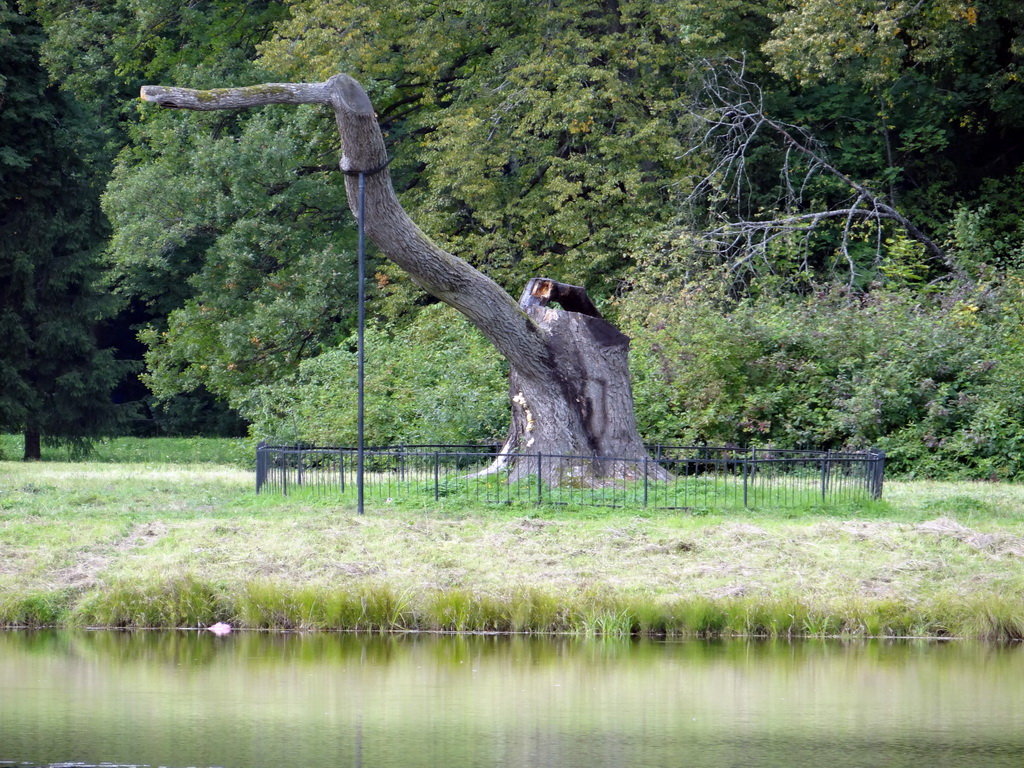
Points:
x=252 y=700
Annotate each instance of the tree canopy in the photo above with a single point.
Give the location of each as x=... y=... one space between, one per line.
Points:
x=579 y=139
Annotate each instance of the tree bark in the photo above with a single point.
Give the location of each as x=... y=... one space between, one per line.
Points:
x=580 y=414
x=569 y=382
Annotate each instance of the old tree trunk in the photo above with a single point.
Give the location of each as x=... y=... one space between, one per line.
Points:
x=569 y=382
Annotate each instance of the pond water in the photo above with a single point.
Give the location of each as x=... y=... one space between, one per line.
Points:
x=250 y=700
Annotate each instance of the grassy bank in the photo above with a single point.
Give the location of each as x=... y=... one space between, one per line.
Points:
x=164 y=545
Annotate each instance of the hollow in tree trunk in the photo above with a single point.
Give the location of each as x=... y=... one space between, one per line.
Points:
x=569 y=378
x=579 y=415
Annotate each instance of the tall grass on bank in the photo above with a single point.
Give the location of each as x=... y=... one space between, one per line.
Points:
x=189 y=602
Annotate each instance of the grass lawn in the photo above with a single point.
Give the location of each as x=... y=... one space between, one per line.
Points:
x=153 y=543
x=173 y=450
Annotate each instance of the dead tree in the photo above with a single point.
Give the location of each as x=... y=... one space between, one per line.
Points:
x=731 y=122
x=569 y=381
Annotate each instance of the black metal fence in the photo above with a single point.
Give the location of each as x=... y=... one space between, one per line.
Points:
x=671 y=477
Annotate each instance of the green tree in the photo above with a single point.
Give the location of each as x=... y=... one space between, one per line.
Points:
x=920 y=100
x=924 y=380
x=100 y=53
x=226 y=230
x=237 y=257
x=56 y=380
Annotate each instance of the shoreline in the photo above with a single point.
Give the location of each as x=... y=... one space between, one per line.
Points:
x=189 y=604
x=169 y=545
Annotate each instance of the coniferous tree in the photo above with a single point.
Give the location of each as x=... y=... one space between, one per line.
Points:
x=55 y=381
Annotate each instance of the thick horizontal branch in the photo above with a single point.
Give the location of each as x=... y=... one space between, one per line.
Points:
x=237 y=98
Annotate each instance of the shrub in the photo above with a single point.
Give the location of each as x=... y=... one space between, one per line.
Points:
x=933 y=379
x=438 y=381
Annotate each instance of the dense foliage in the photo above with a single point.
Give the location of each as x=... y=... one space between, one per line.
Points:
x=806 y=213
x=931 y=383
x=436 y=380
x=55 y=377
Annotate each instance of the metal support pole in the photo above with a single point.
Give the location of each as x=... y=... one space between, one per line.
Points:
x=360 y=350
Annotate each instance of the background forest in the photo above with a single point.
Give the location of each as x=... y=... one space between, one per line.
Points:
x=806 y=215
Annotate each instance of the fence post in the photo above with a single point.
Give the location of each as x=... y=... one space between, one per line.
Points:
x=300 y=463
x=261 y=465
x=824 y=476
x=878 y=465
x=437 y=479
x=341 y=469
x=284 y=471
x=540 y=480
x=746 y=464
x=645 y=480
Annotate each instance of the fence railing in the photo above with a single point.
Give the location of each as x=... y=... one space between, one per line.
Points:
x=670 y=477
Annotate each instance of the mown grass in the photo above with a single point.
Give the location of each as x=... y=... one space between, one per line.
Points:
x=164 y=545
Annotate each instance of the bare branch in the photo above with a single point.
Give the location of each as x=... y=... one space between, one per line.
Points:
x=733 y=122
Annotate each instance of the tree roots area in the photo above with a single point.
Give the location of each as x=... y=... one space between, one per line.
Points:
x=184 y=547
